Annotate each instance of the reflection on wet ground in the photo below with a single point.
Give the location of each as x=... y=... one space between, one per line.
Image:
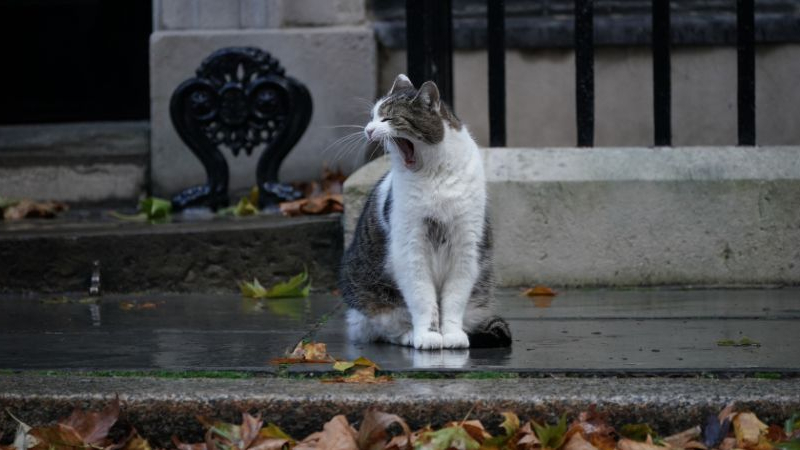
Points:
x=581 y=330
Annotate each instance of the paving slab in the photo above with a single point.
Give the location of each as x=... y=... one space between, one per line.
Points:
x=159 y=408
x=154 y=331
x=596 y=331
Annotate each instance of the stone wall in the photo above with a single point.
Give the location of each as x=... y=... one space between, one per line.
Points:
x=326 y=44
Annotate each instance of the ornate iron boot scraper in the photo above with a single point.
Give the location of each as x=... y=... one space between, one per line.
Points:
x=240 y=99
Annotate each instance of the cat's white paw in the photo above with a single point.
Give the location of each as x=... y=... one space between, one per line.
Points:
x=428 y=340
x=455 y=339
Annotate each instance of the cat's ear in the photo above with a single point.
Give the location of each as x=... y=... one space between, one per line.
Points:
x=428 y=95
x=401 y=82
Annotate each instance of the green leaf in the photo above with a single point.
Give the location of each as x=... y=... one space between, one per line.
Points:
x=297 y=286
x=637 y=431
x=252 y=290
x=341 y=366
x=156 y=209
x=551 y=436
x=274 y=432
x=788 y=445
x=791 y=424
x=446 y=438
x=245 y=208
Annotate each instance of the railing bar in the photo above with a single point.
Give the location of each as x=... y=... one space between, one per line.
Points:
x=662 y=85
x=746 y=71
x=497 y=72
x=415 y=40
x=429 y=41
x=584 y=71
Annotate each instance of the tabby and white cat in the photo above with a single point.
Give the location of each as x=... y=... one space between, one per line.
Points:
x=419 y=270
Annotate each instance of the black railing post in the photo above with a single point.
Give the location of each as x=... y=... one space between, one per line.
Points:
x=746 y=71
x=584 y=71
x=496 y=33
x=429 y=40
x=662 y=88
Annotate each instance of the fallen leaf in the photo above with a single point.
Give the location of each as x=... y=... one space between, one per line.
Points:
x=373 y=432
x=551 y=436
x=577 y=442
x=306 y=352
x=92 y=427
x=25 y=209
x=184 y=446
x=298 y=286
x=335 y=435
x=446 y=438
x=341 y=366
x=322 y=204
x=682 y=439
x=630 y=444
x=246 y=207
x=539 y=290
x=637 y=431
x=743 y=342
x=136 y=442
x=748 y=429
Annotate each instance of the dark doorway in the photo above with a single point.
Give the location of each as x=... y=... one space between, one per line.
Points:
x=74 y=60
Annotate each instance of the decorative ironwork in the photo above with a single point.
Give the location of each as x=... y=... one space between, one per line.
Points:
x=240 y=99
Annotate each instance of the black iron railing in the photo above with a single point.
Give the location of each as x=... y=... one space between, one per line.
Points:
x=429 y=45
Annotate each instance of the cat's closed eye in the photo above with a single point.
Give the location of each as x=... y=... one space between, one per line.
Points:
x=386 y=119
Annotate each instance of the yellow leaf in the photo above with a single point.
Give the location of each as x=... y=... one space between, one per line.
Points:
x=341 y=366
x=539 y=291
x=748 y=429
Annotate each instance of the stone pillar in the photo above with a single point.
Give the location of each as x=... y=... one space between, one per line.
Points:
x=326 y=44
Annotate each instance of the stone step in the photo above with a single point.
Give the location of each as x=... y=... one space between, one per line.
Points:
x=197 y=254
x=76 y=163
x=161 y=407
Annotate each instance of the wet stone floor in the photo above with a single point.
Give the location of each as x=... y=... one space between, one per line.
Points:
x=603 y=331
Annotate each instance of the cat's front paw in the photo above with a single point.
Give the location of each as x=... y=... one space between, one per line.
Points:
x=428 y=340
x=455 y=339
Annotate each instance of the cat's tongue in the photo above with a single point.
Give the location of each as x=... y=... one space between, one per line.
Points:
x=407 y=150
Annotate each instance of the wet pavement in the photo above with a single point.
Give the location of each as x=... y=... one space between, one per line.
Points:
x=591 y=331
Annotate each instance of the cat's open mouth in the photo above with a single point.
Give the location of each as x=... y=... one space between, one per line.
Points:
x=406 y=150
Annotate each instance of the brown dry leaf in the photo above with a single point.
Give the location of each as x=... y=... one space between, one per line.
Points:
x=538 y=291
x=56 y=437
x=527 y=438
x=474 y=429
x=577 y=442
x=361 y=374
x=748 y=429
x=335 y=435
x=136 y=442
x=92 y=427
x=728 y=443
x=321 y=204
x=31 y=209
x=630 y=444
x=682 y=439
x=308 y=353
x=269 y=444
x=373 y=434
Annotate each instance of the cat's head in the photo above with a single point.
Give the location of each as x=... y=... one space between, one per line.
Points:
x=407 y=120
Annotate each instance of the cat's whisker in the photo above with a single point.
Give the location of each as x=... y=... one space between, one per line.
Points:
x=361 y=127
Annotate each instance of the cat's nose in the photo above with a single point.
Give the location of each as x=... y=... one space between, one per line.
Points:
x=369 y=132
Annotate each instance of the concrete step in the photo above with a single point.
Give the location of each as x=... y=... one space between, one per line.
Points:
x=76 y=163
x=161 y=407
x=193 y=253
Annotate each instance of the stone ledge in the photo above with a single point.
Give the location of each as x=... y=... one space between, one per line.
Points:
x=636 y=216
x=205 y=256
x=80 y=162
x=160 y=408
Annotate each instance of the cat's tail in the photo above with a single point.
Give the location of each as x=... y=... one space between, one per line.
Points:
x=492 y=332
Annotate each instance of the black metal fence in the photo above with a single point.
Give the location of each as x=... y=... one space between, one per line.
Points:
x=429 y=28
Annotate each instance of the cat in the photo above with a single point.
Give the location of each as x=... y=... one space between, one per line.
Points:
x=419 y=271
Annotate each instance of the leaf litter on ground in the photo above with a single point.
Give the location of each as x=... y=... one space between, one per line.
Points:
x=28 y=209
x=298 y=286
x=151 y=209
x=379 y=430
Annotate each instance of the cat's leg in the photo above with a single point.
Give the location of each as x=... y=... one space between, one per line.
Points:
x=456 y=292
x=414 y=279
